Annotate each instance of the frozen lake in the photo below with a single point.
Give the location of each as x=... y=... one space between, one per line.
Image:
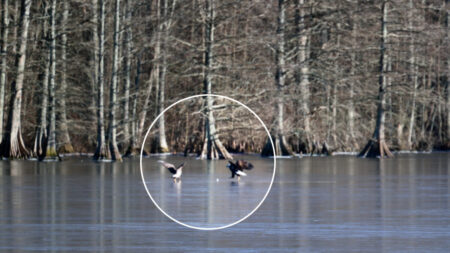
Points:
x=339 y=204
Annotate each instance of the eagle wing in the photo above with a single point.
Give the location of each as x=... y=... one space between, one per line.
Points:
x=180 y=166
x=169 y=166
x=244 y=165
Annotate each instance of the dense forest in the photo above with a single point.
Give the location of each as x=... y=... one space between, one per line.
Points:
x=367 y=76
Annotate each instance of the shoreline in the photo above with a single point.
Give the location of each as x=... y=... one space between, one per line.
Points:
x=297 y=155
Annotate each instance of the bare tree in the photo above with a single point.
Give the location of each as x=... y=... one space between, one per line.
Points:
x=112 y=127
x=413 y=74
x=41 y=138
x=94 y=63
x=63 y=129
x=353 y=81
x=377 y=145
x=154 y=76
x=4 y=49
x=281 y=147
x=143 y=113
x=162 y=41
x=212 y=146
x=302 y=72
x=132 y=141
x=133 y=145
x=12 y=145
x=51 y=130
x=102 y=151
x=165 y=19
x=447 y=39
x=127 y=39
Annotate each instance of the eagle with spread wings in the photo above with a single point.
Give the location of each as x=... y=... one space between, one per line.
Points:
x=176 y=171
x=237 y=168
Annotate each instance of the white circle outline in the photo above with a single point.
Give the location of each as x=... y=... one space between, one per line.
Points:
x=212 y=228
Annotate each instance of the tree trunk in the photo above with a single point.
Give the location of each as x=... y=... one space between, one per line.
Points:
x=377 y=147
x=143 y=113
x=51 y=143
x=447 y=7
x=212 y=146
x=126 y=71
x=16 y=22
x=4 y=55
x=101 y=152
x=156 y=74
x=401 y=118
x=413 y=77
x=112 y=127
x=94 y=64
x=162 y=146
x=334 y=115
x=439 y=97
x=281 y=147
x=66 y=144
x=130 y=122
x=134 y=127
x=352 y=83
x=335 y=86
x=164 y=24
x=12 y=145
x=40 y=141
x=133 y=148
x=301 y=78
x=412 y=117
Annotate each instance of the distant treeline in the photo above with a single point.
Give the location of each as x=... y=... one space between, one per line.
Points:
x=91 y=75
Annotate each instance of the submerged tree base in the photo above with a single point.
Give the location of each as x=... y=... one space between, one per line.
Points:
x=13 y=149
x=281 y=149
x=50 y=154
x=40 y=145
x=66 y=148
x=132 y=152
x=375 y=149
x=318 y=149
x=301 y=143
x=157 y=147
x=235 y=147
x=115 y=154
x=102 y=153
x=193 y=145
x=213 y=150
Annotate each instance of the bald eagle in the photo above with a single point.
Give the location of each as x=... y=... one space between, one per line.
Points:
x=176 y=171
x=237 y=168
